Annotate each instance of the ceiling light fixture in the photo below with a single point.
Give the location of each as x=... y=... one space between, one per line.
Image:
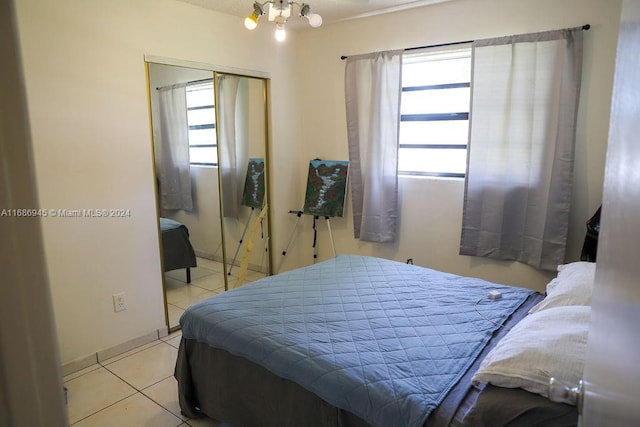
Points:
x=279 y=12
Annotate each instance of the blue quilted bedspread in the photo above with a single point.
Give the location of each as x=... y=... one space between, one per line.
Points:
x=169 y=224
x=381 y=339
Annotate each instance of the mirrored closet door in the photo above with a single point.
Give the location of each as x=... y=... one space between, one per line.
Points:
x=242 y=146
x=210 y=154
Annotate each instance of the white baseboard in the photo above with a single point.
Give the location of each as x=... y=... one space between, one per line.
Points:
x=102 y=355
x=79 y=364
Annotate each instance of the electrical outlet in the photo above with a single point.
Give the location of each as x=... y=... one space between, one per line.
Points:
x=119 y=303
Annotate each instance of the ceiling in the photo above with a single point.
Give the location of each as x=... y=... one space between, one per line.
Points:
x=330 y=10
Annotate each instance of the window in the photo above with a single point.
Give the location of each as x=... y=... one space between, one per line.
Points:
x=434 y=122
x=201 y=119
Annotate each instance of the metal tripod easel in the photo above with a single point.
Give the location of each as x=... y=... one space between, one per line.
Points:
x=235 y=256
x=315 y=233
x=324 y=198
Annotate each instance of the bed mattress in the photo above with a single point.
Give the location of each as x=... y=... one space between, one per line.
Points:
x=383 y=340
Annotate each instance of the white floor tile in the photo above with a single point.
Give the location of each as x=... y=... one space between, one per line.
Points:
x=80 y=372
x=174 y=314
x=172 y=335
x=255 y=275
x=94 y=391
x=165 y=393
x=175 y=341
x=146 y=367
x=210 y=264
x=171 y=283
x=196 y=273
x=213 y=282
x=191 y=298
x=183 y=293
x=137 y=410
x=178 y=275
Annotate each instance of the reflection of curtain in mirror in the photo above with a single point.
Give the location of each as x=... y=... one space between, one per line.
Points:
x=172 y=151
x=230 y=162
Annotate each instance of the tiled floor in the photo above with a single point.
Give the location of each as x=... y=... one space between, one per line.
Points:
x=207 y=279
x=136 y=388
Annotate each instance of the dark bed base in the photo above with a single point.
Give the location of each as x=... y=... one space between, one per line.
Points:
x=245 y=394
x=177 y=250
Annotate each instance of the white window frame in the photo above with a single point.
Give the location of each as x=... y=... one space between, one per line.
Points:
x=433 y=115
x=206 y=84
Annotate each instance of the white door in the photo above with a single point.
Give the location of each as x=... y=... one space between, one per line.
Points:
x=30 y=378
x=612 y=371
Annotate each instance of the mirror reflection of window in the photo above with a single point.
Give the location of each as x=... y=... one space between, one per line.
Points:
x=201 y=119
x=205 y=138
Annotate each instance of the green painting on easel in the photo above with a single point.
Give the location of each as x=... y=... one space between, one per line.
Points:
x=326 y=188
x=253 y=194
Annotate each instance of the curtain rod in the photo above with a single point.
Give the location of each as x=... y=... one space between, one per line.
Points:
x=187 y=83
x=343 y=57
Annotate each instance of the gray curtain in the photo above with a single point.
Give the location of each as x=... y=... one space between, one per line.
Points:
x=230 y=163
x=172 y=151
x=525 y=92
x=373 y=87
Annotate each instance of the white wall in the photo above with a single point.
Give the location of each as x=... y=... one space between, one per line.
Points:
x=87 y=96
x=203 y=221
x=431 y=213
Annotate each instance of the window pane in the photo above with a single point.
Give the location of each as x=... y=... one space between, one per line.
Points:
x=436 y=68
x=200 y=95
x=201 y=117
x=428 y=68
x=202 y=136
x=203 y=155
x=447 y=132
x=437 y=160
x=435 y=101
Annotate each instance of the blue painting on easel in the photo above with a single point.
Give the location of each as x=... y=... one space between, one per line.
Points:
x=253 y=194
x=326 y=188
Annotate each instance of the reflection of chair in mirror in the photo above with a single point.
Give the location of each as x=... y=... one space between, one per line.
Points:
x=176 y=247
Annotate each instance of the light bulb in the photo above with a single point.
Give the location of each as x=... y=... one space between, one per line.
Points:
x=251 y=21
x=281 y=34
x=315 y=20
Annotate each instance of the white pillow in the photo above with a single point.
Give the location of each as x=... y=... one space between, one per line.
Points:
x=549 y=343
x=572 y=286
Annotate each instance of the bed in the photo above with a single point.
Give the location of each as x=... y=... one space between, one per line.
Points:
x=357 y=341
x=176 y=247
